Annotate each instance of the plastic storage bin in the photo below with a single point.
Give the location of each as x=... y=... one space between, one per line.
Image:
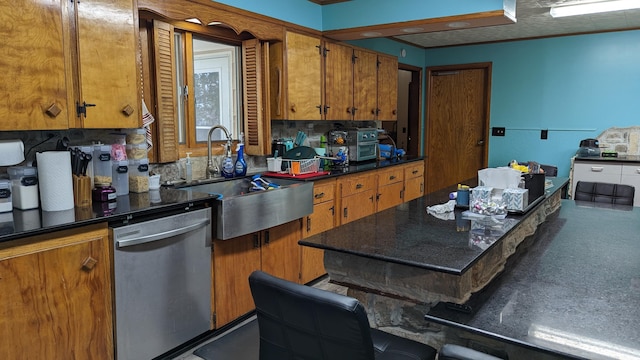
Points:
x=137 y=151
x=102 y=167
x=5 y=196
x=139 y=175
x=120 y=175
x=24 y=184
x=136 y=136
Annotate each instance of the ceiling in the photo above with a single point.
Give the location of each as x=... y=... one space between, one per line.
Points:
x=533 y=21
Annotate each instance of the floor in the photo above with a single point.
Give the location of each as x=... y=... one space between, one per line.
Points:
x=323 y=283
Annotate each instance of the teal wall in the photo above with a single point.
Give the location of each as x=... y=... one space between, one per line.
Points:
x=575 y=86
x=304 y=13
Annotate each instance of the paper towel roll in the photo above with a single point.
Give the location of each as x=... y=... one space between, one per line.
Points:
x=54 y=180
x=12 y=152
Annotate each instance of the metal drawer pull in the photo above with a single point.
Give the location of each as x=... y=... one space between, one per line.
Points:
x=392 y=177
x=638 y=170
x=162 y=235
x=359 y=186
x=319 y=195
x=597 y=168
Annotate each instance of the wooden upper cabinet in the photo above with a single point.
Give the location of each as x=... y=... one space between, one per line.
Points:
x=108 y=69
x=35 y=66
x=296 y=78
x=364 y=84
x=387 y=88
x=338 y=81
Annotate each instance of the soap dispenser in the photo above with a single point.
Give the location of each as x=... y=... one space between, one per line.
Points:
x=241 y=164
x=187 y=169
x=227 y=162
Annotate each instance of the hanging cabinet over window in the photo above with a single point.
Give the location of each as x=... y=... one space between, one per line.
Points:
x=296 y=78
x=49 y=75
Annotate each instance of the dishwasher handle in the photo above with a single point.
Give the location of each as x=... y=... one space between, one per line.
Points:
x=162 y=235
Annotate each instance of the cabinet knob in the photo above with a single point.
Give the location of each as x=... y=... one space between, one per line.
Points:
x=394 y=112
x=128 y=110
x=89 y=263
x=293 y=108
x=53 y=110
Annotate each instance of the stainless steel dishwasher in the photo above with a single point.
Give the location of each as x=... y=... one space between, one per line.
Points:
x=162 y=271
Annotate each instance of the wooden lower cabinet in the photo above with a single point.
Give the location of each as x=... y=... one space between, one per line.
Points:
x=357 y=196
x=322 y=219
x=56 y=300
x=414 y=181
x=390 y=188
x=275 y=251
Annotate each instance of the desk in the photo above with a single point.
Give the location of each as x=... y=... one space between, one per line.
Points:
x=402 y=261
x=575 y=291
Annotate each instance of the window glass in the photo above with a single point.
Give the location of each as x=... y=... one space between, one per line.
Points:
x=214 y=73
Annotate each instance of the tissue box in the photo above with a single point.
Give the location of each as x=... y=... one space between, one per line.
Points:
x=515 y=199
x=480 y=194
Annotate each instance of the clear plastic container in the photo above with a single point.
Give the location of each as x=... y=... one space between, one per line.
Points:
x=102 y=167
x=136 y=136
x=24 y=184
x=137 y=152
x=5 y=196
x=120 y=174
x=139 y=175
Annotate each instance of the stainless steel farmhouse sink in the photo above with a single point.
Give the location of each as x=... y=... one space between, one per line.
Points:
x=240 y=211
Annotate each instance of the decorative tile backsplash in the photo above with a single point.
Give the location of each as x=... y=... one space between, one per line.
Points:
x=624 y=141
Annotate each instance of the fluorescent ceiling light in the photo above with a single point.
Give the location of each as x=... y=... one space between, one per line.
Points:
x=594 y=7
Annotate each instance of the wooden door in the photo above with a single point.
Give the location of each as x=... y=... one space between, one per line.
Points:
x=303 y=86
x=56 y=297
x=107 y=64
x=457 y=123
x=36 y=71
x=281 y=252
x=233 y=261
x=338 y=81
x=364 y=85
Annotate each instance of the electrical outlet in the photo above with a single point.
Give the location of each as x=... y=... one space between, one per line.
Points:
x=498 y=131
x=544 y=134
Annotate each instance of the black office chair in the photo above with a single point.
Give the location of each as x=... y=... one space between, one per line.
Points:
x=617 y=194
x=301 y=322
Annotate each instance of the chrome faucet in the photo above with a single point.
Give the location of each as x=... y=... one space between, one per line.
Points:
x=212 y=169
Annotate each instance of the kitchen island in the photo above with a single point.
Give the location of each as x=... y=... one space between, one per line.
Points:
x=402 y=261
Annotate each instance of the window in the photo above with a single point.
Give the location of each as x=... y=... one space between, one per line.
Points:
x=208 y=88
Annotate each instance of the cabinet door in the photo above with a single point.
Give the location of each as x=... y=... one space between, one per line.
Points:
x=312 y=264
x=390 y=195
x=357 y=206
x=322 y=219
x=36 y=71
x=414 y=188
x=387 y=87
x=364 y=85
x=281 y=252
x=107 y=66
x=631 y=176
x=233 y=261
x=303 y=85
x=339 y=81
x=56 y=298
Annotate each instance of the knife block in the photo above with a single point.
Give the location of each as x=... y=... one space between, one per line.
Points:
x=81 y=190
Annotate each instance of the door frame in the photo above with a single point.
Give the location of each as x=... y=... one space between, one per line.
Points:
x=487 y=66
x=415 y=110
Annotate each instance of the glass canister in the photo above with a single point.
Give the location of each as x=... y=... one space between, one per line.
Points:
x=120 y=175
x=102 y=167
x=24 y=184
x=139 y=175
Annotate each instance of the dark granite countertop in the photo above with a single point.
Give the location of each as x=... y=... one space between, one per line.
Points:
x=408 y=235
x=22 y=223
x=576 y=287
x=620 y=159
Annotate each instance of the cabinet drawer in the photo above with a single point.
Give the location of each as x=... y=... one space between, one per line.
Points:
x=413 y=171
x=591 y=171
x=391 y=176
x=324 y=191
x=356 y=184
x=630 y=170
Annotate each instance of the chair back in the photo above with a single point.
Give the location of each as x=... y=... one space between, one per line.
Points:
x=301 y=322
x=605 y=193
